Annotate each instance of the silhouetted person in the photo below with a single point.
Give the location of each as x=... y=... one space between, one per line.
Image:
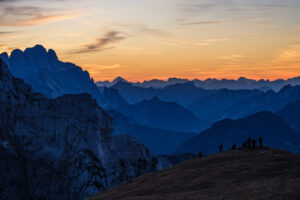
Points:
x=200 y=155
x=260 y=140
x=244 y=145
x=253 y=143
x=233 y=147
x=249 y=143
x=221 y=148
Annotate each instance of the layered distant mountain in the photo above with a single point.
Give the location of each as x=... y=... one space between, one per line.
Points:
x=213 y=105
x=160 y=141
x=182 y=93
x=236 y=104
x=160 y=125
x=211 y=84
x=164 y=115
x=62 y=148
x=274 y=131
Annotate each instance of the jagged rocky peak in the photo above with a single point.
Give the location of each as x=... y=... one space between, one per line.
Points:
x=37 y=50
x=52 y=54
x=61 y=148
x=41 y=69
x=118 y=79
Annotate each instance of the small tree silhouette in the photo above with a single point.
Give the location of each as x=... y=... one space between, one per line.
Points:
x=221 y=148
x=260 y=140
x=233 y=147
x=253 y=143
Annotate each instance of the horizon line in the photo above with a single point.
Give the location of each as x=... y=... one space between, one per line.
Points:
x=199 y=79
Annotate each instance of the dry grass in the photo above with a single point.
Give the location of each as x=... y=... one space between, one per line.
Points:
x=241 y=175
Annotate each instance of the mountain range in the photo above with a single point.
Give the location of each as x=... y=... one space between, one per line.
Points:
x=45 y=73
x=151 y=113
x=241 y=83
x=213 y=105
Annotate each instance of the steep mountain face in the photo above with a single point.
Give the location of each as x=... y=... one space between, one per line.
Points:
x=158 y=140
x=42 y=70
x=263 y=174
x=164 y=115
x=61 y=148
x=274 y=131
x=291 y=114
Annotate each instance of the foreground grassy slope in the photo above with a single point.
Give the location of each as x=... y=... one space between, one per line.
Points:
x=239 y=174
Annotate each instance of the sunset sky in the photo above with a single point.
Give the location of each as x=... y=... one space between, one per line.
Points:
x=146 y=39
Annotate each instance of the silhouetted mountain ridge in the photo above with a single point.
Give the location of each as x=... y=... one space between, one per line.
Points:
x=163 y=115
x=46 y=74
x=213 y=83
x=274 y=131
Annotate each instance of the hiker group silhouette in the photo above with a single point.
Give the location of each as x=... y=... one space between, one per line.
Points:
x=250 y=143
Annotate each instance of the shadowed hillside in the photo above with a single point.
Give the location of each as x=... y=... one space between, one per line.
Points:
x=261 y=174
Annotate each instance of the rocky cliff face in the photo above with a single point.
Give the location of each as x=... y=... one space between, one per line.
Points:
x=61 y=148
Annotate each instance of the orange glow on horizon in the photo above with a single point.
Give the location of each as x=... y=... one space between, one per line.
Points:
x=258 y=39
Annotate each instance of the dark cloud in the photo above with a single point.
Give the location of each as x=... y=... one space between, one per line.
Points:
x=14 y=14
x=20 y=10
x=226 y=10
x=144 y=30
x=7 y=1
x=205 y=23
x=5 y=32
x=103 y=43
x=230 y=5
